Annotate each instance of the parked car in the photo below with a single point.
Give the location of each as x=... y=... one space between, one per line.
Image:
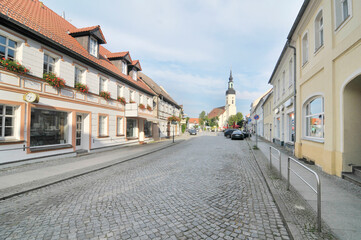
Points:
x=192 y=132
x=246 y=133
x=237 y=135
x=229 y=132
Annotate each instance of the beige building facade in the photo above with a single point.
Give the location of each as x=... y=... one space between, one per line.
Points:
x=268 y=117
x=327 y=36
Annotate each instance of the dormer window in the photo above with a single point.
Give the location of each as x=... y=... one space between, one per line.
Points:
x=135 y=75
x=124 y=68
x=93 y=47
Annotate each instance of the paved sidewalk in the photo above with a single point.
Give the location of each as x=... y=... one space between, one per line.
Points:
x=340 y=200
x=15 y=179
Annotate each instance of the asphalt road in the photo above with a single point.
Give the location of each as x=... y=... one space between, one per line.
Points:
x=208 y=187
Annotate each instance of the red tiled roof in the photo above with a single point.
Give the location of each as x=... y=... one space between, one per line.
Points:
x=36 y=16
x=216 y=112
x=86 y=29
x=116 y=55
x=89 y=29
x=135 y=63
x=193 y=120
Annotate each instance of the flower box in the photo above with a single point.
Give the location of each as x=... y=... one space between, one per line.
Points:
x=105 y=95
x=81 y=87
x=13 y=66
x=141 y=106
x=53 y=80
x=149 y=107
x=121 y=100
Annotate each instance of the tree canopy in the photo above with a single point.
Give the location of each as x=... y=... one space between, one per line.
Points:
x=236 y=119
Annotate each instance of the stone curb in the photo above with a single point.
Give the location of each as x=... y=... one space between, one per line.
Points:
x=291 y=227
x=27 y=187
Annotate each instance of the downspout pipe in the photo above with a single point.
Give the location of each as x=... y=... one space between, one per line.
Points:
x=294 y=89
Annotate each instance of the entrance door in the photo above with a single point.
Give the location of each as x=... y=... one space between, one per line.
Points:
x=79 y=131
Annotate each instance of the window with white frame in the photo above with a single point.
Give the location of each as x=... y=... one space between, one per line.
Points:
x=120 y=126
x=342 y=11
x=290 y=71
x=103 y=125
x=141 y=98
x=49 y=64
x=93 y=47
x=124 y=68
x=279 y=88
x=135 y=75
x=7 y=121
x=305 y=49
x=318 y=31
x=131 y=96
x=314 y=118
x=79 y=75
x=103 y=84
x=120 y=91
x=7 y=48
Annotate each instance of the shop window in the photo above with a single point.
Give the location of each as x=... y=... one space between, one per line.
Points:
x=48 y=127
x=131 y=128
x=147 y=129
x=49 y=64
x=291 y=127
x=120 y=126
x=314 y=118
x=103 y=126
x=7 y=48
x=7 y=121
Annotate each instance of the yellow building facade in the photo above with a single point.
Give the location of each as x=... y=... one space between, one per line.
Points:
x=327 y=38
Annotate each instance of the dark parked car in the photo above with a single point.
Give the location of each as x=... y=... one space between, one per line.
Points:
x=192 y=132
x=237 y=135
x=247 y=134
x=229 y=132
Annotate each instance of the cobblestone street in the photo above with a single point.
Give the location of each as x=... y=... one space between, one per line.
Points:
x=204 y=188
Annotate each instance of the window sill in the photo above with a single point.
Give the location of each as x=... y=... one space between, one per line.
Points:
x=318 y=140
x=304 y=64
x=11 y=141
x=121 y=135
x=50 y=148
x=103 y=136
x=318 y=49
x=343 y=23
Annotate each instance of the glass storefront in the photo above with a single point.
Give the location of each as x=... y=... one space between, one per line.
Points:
x=291 y=127
x=48 y=127
x=131 y=128
x=147 y=129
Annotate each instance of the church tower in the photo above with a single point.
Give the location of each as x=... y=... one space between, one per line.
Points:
x=230 y=98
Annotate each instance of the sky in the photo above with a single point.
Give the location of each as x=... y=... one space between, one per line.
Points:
x=189 y=46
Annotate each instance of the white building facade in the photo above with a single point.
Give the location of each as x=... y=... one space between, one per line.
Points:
x=39 y=119
x=282 y=80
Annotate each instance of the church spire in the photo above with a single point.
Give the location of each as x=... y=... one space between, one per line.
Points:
x=230 y=76
x=230 y=89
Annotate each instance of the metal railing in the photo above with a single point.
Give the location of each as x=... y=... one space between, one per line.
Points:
x=318 y=191
x=277 y=157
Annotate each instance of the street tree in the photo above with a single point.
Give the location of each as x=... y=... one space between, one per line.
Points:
x=236 y=119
